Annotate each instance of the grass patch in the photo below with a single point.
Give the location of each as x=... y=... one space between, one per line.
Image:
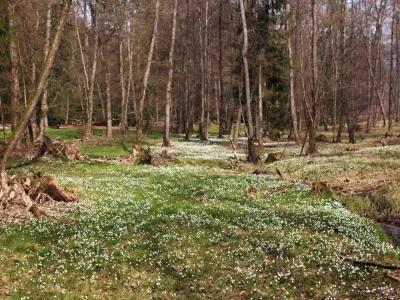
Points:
x=190 y=231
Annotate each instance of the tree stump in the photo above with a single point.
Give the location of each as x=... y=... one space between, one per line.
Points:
x=21 y=199
x=273 y=157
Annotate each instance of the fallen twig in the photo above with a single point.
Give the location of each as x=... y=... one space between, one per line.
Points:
x=388 y=275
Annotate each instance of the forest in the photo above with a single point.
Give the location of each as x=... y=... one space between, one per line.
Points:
x=199 y=149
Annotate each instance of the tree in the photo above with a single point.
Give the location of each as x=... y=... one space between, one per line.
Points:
x=391 y=71
x=293 y=110
x=166 y=142
x=252 y=152
x=312 y=110
x=34 y=99
x=140 y=105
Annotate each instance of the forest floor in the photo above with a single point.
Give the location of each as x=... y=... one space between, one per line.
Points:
x=201 y=227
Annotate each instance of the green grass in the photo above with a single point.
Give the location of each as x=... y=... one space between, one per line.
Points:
x=190 y=232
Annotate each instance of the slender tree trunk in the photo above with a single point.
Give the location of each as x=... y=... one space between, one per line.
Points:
x=237 y=126
x=252 y=152
x=139 y=117
x=260 y=113
x=67 y=111
x=130 y=85
x=3 y=125
x=312 y=145
x=15 y=89
x=203 y=57
x=108 y=101
x=397 y=92
x=33 y=121
x=124 y=124
x=391 y=76
x=220 y=104
x=95 y=27
x=44 y=106
x=103 y=111
x=335 y=82
x=34 y=98
x=166 y=142
x=293 y=110
x=370 y=88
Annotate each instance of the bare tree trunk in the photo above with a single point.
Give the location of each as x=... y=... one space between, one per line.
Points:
x=391 y=76
x=220 y=79
x=370 y=88
x=44 y=106
x=108 y=101
x=203 y=47
x=373 y=69
x=124 y=124
x=15 y=89
x=166 y=142
x=260 y=113
x=95 y=27
x=103 y=111
x=237 y=126
x=67 y=112
x=33 y=121
x=34 y=98
x=130 y=85
x=312 y=145
x=3 y=122
x=252 y=153
x=139 y=117
x=293 y=110
x=335 y=82
x=397 y=93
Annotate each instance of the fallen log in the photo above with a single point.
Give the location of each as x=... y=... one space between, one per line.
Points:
x=369 y=263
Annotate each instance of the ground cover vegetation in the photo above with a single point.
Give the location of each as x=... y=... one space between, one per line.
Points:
x=196 y=228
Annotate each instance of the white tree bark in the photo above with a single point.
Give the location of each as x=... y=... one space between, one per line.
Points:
x=166 y=141
x=139 y=117
x=252 y=156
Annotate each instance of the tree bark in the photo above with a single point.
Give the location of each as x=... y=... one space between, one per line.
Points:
x=220 y=105
x=391 y=76
x=139 y=117
x=252 y=152
x=124 y=121
x=34 y=98
x=15 y=89
x=108 y=101
x=293 y=110
x=203 y=61
x=312 y=145
x=166 y=142
x=43 y=124
x=260 y=113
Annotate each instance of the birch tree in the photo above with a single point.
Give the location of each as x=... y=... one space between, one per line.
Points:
x=252 y=153
x=166 y=142
x=140 y=105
